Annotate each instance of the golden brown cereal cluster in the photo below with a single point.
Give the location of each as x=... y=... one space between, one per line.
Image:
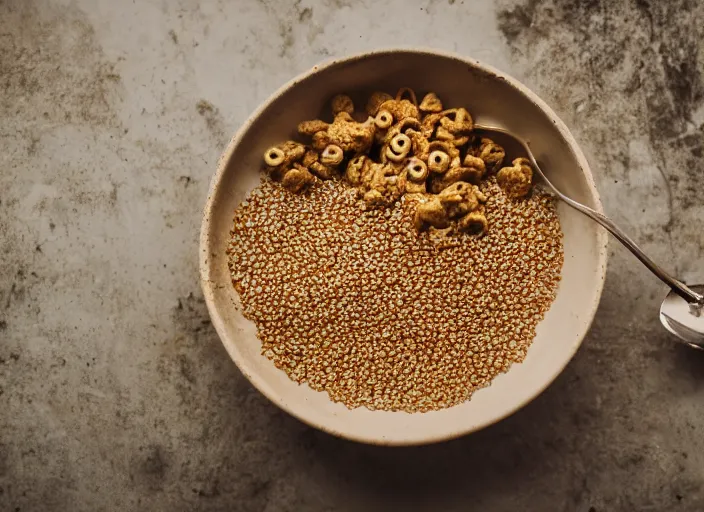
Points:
x=403 y=147
x=516 y=180
x=354 y=301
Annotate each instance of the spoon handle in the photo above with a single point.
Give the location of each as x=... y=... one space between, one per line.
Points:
x=695 y=300
x=676 y=285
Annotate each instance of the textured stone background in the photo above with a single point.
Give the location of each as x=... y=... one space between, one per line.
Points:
x=115 y=393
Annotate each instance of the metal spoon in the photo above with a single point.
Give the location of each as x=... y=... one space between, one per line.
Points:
x=681 y=311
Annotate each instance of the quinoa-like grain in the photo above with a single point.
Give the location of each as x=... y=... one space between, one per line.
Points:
x=355 y=302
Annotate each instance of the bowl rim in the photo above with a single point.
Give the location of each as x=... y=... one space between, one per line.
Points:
x=209 y=286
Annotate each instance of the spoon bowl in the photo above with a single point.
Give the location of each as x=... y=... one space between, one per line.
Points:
x=677 y=317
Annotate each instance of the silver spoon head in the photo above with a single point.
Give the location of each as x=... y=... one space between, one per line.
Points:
x=681 y=319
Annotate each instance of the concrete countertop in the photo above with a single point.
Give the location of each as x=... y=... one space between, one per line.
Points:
x=115 y=392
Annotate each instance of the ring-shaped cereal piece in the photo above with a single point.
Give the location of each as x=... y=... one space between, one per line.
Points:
x=401 y=144
x=274 y=156
x=417 y=170
x=332 y=155
x=438 y=161
x=383 y=119
x=391 y=155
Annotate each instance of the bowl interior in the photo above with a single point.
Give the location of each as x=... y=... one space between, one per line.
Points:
x=490 y=97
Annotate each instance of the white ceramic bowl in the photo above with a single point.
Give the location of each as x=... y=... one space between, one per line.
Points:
x=490 y=96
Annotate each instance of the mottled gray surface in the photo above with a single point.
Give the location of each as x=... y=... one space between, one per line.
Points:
x=115 y=393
